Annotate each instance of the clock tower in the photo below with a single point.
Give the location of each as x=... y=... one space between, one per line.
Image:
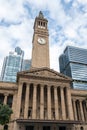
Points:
x=40 y=50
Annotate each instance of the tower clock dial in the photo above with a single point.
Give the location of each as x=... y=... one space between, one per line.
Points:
x=41 y=40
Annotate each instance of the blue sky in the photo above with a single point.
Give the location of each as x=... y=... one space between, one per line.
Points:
x=67 y=22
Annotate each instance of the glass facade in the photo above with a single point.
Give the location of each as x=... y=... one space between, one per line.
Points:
x=73 y=63
x=26 y=65
x=12 y=64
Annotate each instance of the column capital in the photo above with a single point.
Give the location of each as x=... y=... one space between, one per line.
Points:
x=42 y=85
x=74 y=99
x=35 y=84
x=6 y=94
x=68 y=88
x=20 y=83
x=55 y=87
x=61 y=87
x=49 y=85
x=28 y=83
x=15 y=92
x=80 y=100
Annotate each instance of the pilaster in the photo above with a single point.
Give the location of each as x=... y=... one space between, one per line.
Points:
x=20 y=86
x=49 y=102
x=56 y=103
x=69 y=104
x=81 y=109
x=13 y=105
x=5 y=98
x=26 y=101
x=34 y=101
x=42 y=102
x=62 y=103
x=74 y=108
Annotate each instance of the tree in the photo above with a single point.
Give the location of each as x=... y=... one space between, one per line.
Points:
x=5 y=113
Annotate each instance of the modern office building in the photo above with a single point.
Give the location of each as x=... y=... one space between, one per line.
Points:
x=11 y=65
x=73 y=63
x=26 y=64
x=41 y=98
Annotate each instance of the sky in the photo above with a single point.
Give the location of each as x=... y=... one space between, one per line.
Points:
x=67 y=24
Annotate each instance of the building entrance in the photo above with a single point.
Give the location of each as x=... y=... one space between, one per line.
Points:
x=46 y=127
x=29 y=127
x=62 y=128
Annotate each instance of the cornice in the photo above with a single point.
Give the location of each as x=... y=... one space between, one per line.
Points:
x=31 y=76
x=8 y=88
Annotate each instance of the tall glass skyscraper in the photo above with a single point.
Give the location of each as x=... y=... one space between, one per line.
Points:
x=73 y=63
x=26 y=64
x=11 y=65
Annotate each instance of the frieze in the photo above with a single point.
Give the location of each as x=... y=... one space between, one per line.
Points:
x=45 y=78
x=44 y=74
x=8 y=88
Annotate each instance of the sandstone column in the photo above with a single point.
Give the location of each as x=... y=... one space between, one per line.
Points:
x=20 y=86
x=78 y=110
x=85 y=111
x=15 y=126
x=26 y=101
x=13 y=104
x=69 y=104
x=81 y=109
x=56 y=103
x=34 y=101
x=86 y=104
x=73 y=127
x=62 y=103
x=42 y=102
x=74 y=108
x=48 y=102
x=5 y=98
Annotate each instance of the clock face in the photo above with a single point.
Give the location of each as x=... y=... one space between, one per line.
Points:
x=41 y=40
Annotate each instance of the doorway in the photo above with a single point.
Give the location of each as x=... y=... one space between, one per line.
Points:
x=29 y=127
x=46 y=127
x=62 y=128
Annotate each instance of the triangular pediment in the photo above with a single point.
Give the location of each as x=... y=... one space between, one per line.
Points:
x=44 y=72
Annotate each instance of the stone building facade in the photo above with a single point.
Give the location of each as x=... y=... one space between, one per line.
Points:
x=42 y=99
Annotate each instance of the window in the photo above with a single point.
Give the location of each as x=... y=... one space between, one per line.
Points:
x=1 y=98
x=46 y=127
x=62 y=128
x=29 y=127
x=6 y=127
x=9 y=100
x=81 y=128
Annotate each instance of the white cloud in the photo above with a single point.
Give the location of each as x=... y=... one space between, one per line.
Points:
x=67 y=1
x=82 y=1
x=11 y=10
x=70 y=32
